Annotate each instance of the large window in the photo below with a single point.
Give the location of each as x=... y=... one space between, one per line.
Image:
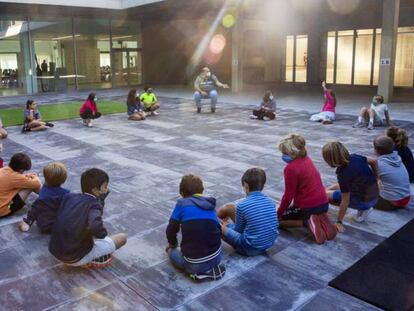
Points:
x=15 y=61
x=296 y=58
x=353 y=57
x=53 y=54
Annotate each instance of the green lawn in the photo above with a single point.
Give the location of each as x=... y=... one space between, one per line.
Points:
x=70 y=110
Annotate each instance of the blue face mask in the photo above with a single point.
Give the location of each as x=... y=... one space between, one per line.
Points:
x=287 y=158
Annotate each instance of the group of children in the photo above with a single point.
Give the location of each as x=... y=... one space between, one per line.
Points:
x=375 y=116
x=79 y=237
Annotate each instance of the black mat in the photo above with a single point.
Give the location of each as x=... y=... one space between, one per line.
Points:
x=385 y=276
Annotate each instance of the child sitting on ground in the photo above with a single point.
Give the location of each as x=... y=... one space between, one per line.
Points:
x=303 y=187
x=134 y=109
x=15 y=186
x=376 y=115
x=150 y=102
x=394 y=183
x=201 y=253
x=254 y=227
x=357 y=184
x=79 y=237
x=32 y=119
x=400 y=138
x=3 y=132
x=327 y=115
x=44 y=209
x=267 y=109
x=89 y=110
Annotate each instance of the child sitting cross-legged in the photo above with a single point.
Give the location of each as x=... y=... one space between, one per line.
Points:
x=357 y=184
x=201 y=253
x=79 y=237
x=44 y=209
x=254 y=220
x=32 y=118
x=394 y=183
x=16 y=185
x=304 y=202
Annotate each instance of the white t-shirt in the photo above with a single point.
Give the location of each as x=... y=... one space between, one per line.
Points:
x=380 y=110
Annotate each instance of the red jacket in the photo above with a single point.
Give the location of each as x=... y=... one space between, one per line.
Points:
x=303 y=186
x=89 y=105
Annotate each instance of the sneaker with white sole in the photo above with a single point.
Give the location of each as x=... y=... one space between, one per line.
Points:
x=266 y=119
x=253 y=117
x=214 y=274
x=370 y=126
x=154 y=113
x=359 y=125
x=362 y=216
x=315 y=226
x=100 y=262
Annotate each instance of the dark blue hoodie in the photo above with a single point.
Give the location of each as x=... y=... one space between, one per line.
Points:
x=200 y=228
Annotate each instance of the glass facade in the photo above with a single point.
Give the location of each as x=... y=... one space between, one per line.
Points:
x=46 y=55
x=296 y=60
x=353 y=57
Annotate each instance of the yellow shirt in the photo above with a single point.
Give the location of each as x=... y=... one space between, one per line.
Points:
x=11 y=183
x=148 y=99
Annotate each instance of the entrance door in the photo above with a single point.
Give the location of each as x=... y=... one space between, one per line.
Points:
x=127 y=68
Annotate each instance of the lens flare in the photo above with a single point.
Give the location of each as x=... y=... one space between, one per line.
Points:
x=228 y=20
x=343 y=7
x=217 y=44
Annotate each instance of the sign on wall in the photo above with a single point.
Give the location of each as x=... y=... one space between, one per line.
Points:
x=385 y=61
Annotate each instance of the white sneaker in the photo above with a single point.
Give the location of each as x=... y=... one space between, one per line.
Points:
x=266 y=119
x=362 y=216
x=154 y=113
x=85 y=123
x=253 y=117
x=90 y=124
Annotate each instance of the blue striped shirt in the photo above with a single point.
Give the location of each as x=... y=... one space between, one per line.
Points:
x=256 y=220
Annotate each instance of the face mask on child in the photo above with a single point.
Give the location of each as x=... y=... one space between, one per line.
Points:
x=287 y=158
x=101 y=198
x=271 y=97
x=208 y=74
x=95 y=99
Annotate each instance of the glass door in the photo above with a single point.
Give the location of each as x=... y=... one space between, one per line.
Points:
x=127 y=67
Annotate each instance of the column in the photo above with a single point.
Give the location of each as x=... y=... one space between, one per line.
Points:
x=236 y=59
x=390 y=15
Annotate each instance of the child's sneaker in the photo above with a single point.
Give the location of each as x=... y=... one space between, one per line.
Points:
x=84 y=122
x=327 y=121
x=90 y=123
x=370 y=126
x=315 y=226
x=359 y=125
x=154 y=113
x=253 y=117
x=198 y=110
x=327 y=226
x=49 y=124
x=362 y=216
x=100 y=262
x=213 y=110
x=266 y=119
x=25 y=128
x=214 y=274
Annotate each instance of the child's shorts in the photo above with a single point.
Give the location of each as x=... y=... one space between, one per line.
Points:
x=354 y=202
x=237 y=241
x=16 y=204
x=296 y=213
x=100 y=248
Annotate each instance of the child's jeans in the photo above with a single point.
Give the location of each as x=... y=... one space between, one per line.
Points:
x=354 y=203
x=178 y=261
x=236 y=240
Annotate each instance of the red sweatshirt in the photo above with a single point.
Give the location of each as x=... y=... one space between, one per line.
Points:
x=303 y=186
x=88 y=105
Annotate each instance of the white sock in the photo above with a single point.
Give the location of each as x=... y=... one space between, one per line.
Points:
x=360 y=119
x=371 y=120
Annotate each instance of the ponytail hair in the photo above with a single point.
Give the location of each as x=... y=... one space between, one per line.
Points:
x=398 y=135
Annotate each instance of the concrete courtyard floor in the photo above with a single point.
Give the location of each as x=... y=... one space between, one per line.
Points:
x=145 y=161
